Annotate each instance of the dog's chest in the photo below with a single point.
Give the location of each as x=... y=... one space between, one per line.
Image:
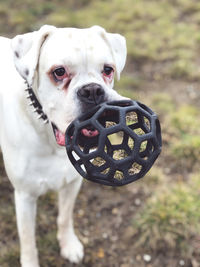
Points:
x=50 y=172
x=56 y=171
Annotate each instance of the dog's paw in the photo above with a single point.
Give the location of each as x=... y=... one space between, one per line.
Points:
x=73 y=250
x=29 y=264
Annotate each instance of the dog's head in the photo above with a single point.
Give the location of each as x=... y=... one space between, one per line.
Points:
x=70 y=70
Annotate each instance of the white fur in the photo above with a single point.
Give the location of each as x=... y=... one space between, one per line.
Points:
x=33 y=160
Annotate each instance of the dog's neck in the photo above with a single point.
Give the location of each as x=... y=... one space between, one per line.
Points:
x=34 y=102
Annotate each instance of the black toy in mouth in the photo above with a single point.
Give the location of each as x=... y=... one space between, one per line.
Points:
x=86 y=133
x=89 y=134
x=114 y=143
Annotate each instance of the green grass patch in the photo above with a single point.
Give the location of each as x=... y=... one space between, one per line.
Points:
x=186 y=120
x=163 y=33
x=186 y=150
x=128 y=81
x=163 y=103
x=185 y=136
x=170 y=218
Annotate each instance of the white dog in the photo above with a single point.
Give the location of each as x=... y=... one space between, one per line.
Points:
x=48 y=78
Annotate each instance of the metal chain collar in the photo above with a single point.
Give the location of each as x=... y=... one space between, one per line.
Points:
x=35 y=103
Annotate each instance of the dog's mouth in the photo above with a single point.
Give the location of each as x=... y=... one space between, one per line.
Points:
x=88 y=132
x=88 y=136
x=59 y=136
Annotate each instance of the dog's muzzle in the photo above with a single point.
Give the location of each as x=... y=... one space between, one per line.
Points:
x=90 y=95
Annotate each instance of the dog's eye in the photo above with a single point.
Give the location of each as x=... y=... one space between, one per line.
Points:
x=107 y=70
x=59 y=74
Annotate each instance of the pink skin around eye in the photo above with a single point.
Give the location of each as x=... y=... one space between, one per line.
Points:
x=61 y=81
x=65 y=80
x=108 y=78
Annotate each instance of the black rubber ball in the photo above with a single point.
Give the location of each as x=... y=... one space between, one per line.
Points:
x=115 y=143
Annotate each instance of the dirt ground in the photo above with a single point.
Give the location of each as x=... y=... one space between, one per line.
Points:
x=103 y=216
x=103 y=221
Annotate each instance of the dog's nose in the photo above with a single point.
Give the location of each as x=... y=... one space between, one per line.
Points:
x=92 y=94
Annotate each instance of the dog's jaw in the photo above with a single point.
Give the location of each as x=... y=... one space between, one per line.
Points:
x=60 y=137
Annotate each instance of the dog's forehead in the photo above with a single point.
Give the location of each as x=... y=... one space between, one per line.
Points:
x=75 y=46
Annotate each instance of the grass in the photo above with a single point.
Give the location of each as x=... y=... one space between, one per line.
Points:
x=161 y=34
x=185 y=126
x=171 y=218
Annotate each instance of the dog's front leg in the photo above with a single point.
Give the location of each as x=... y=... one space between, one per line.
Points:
x=71 y=247
x=26 y=213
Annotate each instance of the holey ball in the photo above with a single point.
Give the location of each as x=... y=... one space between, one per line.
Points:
x=115 y=143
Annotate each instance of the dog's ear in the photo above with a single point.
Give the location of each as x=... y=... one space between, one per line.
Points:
x=26 y=51
x=117 y=44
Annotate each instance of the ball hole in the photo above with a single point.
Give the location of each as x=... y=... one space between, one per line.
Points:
x=135 y=168
x=152 y=149
x=146 y=149
x=75 y=156
x=131 y=143
x=150 y=146
x=87 y=149
x=118 y=175
x=119 y=154
x=83 y=168
x=143 y=146
x=98 y=161
x=116 y=138
x=109 y=118
x=139 y=131
x=106 y=149
x=106 y=171
x=147 y=123
x=109 y=124
x=91 y=150
x=131 y=118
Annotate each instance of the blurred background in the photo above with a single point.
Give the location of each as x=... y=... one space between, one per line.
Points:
x=155 y=221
